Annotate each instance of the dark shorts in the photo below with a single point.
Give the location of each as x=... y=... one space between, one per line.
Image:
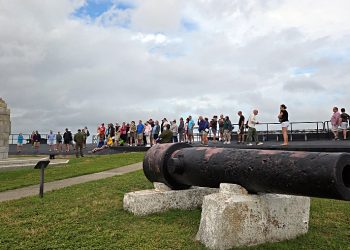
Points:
x=155 y=136
x=214 y=131
x=66 y=142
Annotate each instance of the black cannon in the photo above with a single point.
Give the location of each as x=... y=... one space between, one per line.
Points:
x=325 y=175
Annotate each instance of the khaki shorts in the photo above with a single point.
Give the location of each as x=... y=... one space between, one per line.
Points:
x=140 y=136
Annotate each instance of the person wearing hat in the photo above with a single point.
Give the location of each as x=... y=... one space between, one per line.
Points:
x=79 y=143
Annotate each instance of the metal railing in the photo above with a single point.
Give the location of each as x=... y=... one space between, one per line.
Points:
x=310 y=130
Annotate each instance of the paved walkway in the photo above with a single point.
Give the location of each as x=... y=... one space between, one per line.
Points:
x=49 y=186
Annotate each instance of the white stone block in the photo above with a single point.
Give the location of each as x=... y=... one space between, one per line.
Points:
x=233 y=220
x=159 y=200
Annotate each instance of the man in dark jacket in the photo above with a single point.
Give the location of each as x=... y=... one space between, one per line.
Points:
x=79 y=143
x=67 y=139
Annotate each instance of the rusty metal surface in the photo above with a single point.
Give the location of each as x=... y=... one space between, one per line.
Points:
x=268 y=171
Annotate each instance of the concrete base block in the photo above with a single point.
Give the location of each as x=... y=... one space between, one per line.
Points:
x=233 y=218
x=162 y=199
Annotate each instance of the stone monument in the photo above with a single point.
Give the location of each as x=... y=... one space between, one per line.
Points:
x=5 y=129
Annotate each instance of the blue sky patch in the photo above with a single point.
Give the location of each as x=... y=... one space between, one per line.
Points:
x=189 y=25
x=95 y=8
x=304 y=71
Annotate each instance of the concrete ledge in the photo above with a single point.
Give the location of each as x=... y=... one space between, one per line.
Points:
x=239 y=219
x=162 y=199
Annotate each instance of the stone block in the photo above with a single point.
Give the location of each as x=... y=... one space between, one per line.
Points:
x=3 y=155
x=160 y=200
x=241 y=219
x=5 y=128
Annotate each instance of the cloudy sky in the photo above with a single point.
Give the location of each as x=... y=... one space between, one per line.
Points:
x=71 y=63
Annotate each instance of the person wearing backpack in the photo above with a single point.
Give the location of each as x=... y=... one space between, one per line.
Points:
x=227 y=126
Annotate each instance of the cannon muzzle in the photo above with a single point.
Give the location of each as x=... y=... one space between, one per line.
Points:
x=325 y=175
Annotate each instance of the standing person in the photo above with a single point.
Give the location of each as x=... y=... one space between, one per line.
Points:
x=240 y=132
x=117 y=134
x=344 y=122
x=37 y=139
x=227 y=130
x=335 y=122
x=163 y=124
x=201 y=127
x=181 y=130
x=58 y=142
x=87 y=134
x=190 y=130
x=20 y=143
x=101 y=131
x=186 y=130
x=252 y=121
x=214 y=127
x=123 y=135
x=148 y=132
x=151 y=122
x=206 y=132
x=139 y=130
x=132 y=134
x=174 y=129
x=32 y=138
x=283 y=119
x=51 y=140
x=112 y=132
x=221 y=127
x=79 y=142
x=67 y=138
x=155 y=132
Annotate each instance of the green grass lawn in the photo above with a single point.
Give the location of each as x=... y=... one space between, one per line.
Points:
x=76 y=167
x=91 y=216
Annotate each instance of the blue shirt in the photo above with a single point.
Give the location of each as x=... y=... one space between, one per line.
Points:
x=139 y=128
x=20 y=139
x=202 y=125
x=191 y=124
x=51 y=137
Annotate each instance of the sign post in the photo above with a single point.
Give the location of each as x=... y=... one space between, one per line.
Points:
x=41 y=165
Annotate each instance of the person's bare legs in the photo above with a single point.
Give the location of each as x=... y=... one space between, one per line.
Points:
x=285 y=136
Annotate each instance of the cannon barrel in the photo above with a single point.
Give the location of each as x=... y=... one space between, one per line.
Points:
x=325 y=175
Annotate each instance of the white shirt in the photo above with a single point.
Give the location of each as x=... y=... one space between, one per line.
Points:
x=252 y=121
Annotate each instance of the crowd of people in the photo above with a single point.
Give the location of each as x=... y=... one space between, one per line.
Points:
x=219 y=128
x=58 y=142
x=152 y=132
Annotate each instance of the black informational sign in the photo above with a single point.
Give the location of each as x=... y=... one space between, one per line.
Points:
x=42 y=165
